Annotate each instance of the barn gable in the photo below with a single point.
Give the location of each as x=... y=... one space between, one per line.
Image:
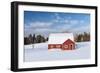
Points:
x=68 y=41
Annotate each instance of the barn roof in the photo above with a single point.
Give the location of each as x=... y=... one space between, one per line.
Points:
x=60 y=38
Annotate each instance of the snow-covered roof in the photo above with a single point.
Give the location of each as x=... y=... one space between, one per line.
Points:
x=60 y=38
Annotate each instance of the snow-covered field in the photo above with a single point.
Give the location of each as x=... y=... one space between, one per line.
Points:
x=40 y=52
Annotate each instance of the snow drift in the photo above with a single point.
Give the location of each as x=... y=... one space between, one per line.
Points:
x=40 y=52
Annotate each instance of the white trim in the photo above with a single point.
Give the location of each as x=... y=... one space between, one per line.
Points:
x=54 y=63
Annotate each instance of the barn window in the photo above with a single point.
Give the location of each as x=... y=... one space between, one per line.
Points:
x=58 y=46
x=65 y=46
x=51 y=46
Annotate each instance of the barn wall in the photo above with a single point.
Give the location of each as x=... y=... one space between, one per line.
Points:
x=50 y=46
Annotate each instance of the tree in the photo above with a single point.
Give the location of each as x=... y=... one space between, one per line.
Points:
x=33 y=38
x=38 y=39
x=30 y=39
x=80 y=38
x=26 y=41
x=86 y=36
x=47 y=39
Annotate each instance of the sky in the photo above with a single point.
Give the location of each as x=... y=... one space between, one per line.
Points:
x=44 y=23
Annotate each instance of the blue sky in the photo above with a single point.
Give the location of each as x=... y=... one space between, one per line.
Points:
x=52 y=22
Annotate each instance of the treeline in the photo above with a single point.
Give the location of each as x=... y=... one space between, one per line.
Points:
x=82 y=37
x=31 y=39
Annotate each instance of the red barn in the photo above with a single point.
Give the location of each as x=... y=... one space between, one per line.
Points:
x=64 y=41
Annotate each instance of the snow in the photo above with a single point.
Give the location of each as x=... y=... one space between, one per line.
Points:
x=40 y=52
x=37 y=47
x=60 y=38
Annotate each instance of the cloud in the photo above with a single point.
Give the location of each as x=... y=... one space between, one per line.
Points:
x=57 y=16
x=40 y=31
x=38 y=27
x=81 y=29
x=58 y=24
x=67 y=21
x=74 y=21
x=48 y=27
x=35 y=25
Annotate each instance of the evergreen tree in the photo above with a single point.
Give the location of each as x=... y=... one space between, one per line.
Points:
x=33 y=38
x=38 y=39
x=30 y=39
x=47 y=39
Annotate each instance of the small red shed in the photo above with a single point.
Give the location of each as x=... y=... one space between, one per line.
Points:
x=64 y=41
